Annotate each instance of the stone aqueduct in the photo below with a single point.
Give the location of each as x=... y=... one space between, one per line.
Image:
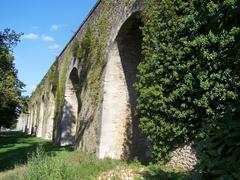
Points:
x=97 y=118
x=110 y=129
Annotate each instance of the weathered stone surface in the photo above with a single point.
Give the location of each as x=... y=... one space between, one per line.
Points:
x=107 y=126
x=184 y=157
x=110 y=129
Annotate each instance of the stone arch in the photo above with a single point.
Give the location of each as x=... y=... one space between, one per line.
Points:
x=119 y=103
x=70 y=109
x=50 y=116
x=30 y=121
x=45 y=117
x=34 y=119
x=41 y=117
x=28 y=124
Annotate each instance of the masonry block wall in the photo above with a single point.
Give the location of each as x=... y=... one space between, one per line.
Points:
x=96 y=118
x=87 y=97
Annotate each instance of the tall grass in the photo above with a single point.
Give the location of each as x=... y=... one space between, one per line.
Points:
x=41 y=166
x=66 y=165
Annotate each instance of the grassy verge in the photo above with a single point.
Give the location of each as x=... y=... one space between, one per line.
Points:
x=24 y=157
x=15 y=147
x=65 y=165
x=33 y=158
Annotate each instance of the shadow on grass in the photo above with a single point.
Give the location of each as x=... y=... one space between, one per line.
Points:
x=160 y=174
x=17 y=147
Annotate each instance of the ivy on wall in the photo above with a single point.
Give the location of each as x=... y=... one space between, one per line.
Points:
x=98 y=53
x=62 y=81
x=91 y=50
x=189 y=79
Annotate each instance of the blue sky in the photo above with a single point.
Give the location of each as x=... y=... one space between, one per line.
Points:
x=47 y=26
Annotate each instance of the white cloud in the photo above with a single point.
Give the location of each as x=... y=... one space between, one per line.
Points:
x=54 y=47
x=55 y=27
x=30 y=36
x=33 y=36
x=47 y=38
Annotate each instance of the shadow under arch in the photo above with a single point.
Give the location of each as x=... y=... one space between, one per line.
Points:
x=129 y=42
x=70 y=109
x=34 y=125
x=120 y=134
x=50 y=114
x=41 y=117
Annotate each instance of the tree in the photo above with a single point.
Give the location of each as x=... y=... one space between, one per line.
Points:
x=10 y=86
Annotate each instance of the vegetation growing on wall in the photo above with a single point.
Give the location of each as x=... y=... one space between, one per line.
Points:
x=189 y=80
x=83 y=47
x=99 y=44
x=62 y=81
x=128 y=2
x=48 y=85
x=50 y=79
x=91 y=50
x=53 y=76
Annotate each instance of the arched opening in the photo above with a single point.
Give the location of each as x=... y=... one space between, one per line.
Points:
x=70 y=109
x=45 y=118
x=31 y=122
x=41 y=117
x=34 y=126
x=51 y=111
x=120 y=135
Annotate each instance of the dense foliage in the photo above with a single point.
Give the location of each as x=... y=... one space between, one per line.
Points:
x=221 y=157
x=10 y=86
x=189 y=81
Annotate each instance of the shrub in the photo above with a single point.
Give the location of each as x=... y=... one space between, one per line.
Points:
x=189 y=79
x=221 y=157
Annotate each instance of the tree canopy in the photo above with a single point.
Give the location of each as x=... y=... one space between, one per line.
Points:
x=10 y=85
